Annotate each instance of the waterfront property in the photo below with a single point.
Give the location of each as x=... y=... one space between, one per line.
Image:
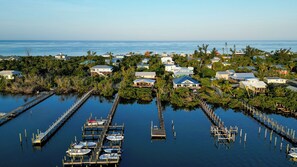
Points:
x=143 y=66
x=237 y=77
x=101 y=70
x=167 y=60
x=183 y=71
x=10 y=74
x=61 y=56
x=275 y=80
x=148 y=75
x=254 y=85
x=215 y=60
x=222 y=75
x=146 y=83
x=185 y=81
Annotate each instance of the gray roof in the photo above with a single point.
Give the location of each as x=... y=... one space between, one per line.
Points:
x=144 y=80
x=222 y=72
x=9 y=72
x=102 y=66
x=145 y=73
x=182 y=79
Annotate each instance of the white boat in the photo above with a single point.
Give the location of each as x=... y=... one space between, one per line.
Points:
x=115 y=137
x=84 y=144
x=110 y=156
x=293 y=155
x=112 y=150
x=78 y=152
x=93 y=122
x=293 y=150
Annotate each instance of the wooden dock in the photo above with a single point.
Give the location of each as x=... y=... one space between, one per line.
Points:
x=44 y=136
x=98 y=133
x=16 y=112
x=218 y=129
x=263 y=119
x=158 y=132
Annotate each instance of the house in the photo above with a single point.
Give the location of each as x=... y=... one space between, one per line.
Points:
x=254 y=85
x=281 y=69
x=149 y=75
x=10 y=74
x=116 y=61
x=143 y=66
x=164 y=55
x=292 y=88
x=61 y=56
x=222 y=75
x=226 y=64
x=215 y=60
x=87 y=62
x=106 y=55
x=101 y=70
x=275 y=80
x=259 y=57
x=144 y=83
x=236 y=77
x=183 y=71
x=250 y=68
x=170 y=67
x=119 y=56
x=145 y=61
x=167 y=60
x=185 y=81
x=209 y=66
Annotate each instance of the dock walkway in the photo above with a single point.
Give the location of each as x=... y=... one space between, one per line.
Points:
x=44 y=136
x=101 y=133
x=285 y=132
x=218 y=129
x=159 y=132
x=16 y=112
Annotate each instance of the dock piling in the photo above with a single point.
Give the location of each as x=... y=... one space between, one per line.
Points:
x=20 y=135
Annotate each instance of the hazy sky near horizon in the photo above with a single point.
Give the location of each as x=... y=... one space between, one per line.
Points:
x=148 y=20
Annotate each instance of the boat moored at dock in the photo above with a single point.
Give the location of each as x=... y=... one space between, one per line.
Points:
x=78 y=152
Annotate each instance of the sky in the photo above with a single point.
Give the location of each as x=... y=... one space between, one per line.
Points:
x=146 y=20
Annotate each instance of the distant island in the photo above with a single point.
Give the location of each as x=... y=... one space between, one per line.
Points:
x=266 y=80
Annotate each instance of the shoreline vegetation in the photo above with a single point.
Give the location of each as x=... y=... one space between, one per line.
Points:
x=44 y=73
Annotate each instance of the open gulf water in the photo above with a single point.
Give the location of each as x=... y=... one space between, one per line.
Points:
x=79 y=48
x=193 y=145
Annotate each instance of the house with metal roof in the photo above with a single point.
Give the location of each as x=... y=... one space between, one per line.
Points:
x=10 y=74
x=183 y=71
x=185 y=81
x=144 y=83
x=149 y=75
x=254 y=85
x=237 y=77
x=143 y=66
x=87 y=62
x=101 y=70
x=275 y=80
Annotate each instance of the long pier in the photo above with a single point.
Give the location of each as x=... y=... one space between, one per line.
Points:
x=159 y=132
x=42 y=137
x=218 y=129
x=285 y=132
x=16 y=112
x=94 y=159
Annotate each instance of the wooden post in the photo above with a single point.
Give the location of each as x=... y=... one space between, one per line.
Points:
x=240 y=134
x=281 y=146
x=275 y=139
x=271 y=136
x=25 y=133
x=245 y=137
x=265 y=133
x=259 y=130
x=20 y=135
x=288 y=148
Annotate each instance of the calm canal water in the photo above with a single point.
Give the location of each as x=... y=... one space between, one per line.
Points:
x=193 y=146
